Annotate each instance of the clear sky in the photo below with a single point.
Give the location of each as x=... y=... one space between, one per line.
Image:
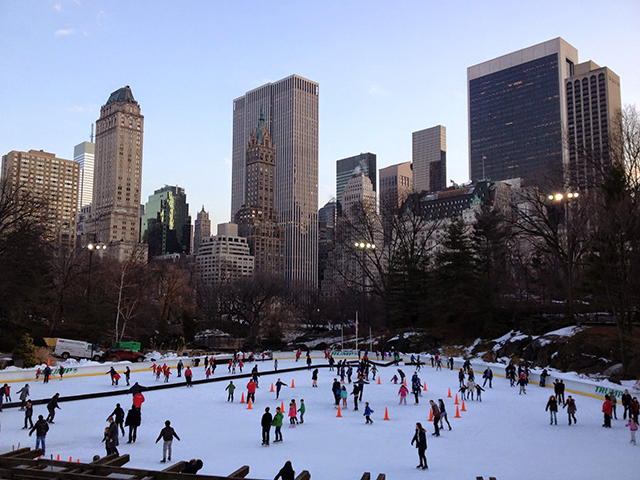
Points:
x=385 y=69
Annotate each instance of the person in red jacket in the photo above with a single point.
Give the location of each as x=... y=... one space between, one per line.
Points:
x=188 y=376
x=606 y=409
x=251 y=391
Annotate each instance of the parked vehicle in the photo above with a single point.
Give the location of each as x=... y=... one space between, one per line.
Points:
x=66 y=348
x=119 y=354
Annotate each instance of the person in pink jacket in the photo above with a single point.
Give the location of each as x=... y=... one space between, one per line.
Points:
x=403 y=394
x=292 y=415
x=633 y=427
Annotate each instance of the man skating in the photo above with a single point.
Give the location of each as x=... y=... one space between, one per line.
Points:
x=167 y=434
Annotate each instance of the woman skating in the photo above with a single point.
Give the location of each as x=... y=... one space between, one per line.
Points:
x=552 y=407
x=420 y=439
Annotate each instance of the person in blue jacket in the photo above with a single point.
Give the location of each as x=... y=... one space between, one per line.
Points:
x=367 y=413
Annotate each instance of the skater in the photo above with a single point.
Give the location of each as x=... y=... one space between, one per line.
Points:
x=127 y=375
x=570 y=404
x=3 y=390
x=415 y=388
x=293 y=415
x=302 y=409
x=543 y=377
x=277 y=422
x=633 y=428
x=28 y=413
x=479 y=391
x=267 y=418
x=394 y=379
x=112 y=437
x=367 y=413
x=188 y=376
x=41 y=428
x=118 y=416
x=471 y=388
x=343 y=396
x=167 y=373
x=61 y=372
x=420 y=439
x=286 y=472
x=634 y=409
x=279 y=385
x=7 y=392
x=436 y=418
x=113 y=373
x=51 y=407
x=46 y=373
x=403 y=394
x=275 y=365
x=23 y=393
x=614 y=403
x=337 y=391
x=314 y=377
x=626 y=401
x=461 y=377
x=167 y=434
x=443 y=414
x=552 y=407
x=488 y=377
x=179 y=368
x=133 y=422
x=522 y=382
x=231 y=387
x=374 y=370
x=402 y=375
x=606 y=409
x=558 y=388
x=251 y=391
x=450 y=362
x=38 y=373
x=356 y=394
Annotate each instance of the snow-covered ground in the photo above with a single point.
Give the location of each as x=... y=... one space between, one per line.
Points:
x=506 y=435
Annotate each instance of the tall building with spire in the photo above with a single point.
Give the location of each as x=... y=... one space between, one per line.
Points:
x=291 y=117
x=258 y=220
x=118 y=174
x=201 y=229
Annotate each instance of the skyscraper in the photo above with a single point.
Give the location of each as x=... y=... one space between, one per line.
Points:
x=258 y=220
x=51 y=179
x=347 y=167
x=359 y=193
x=84 y=154
x=429 y=147
x=593 y=105
x=118 y=174
x=517 y=112
x=396 y=183
x=290 y=107
x=166 y=224
x=201 y=229
x=224 y=257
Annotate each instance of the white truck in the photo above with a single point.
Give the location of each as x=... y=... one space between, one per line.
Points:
x=66 y=348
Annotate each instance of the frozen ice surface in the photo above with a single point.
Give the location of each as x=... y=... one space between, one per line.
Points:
x=506 y=435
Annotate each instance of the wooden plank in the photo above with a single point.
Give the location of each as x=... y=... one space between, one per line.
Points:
x=381 y=476
x=304 y=475
x=241 y=472
x=13 y=453
x=30 y=454
x=366 y=476
x=176 y=467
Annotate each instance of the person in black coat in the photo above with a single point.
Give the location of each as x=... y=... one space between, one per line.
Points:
x=626 y=401
x=28 y=413
x=112 y=437
x=193 y=465
x=267 y=418
x=286 y=472
x=51 y=407
x=420 y=439
x=133 y=420
x=118 y=415
x=41 y=428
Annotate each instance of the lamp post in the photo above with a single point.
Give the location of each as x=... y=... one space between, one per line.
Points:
x=362 y=246
x=91 y=247
x=564 y=199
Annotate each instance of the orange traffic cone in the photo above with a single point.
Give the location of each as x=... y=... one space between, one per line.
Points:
x=48 y=362
x=272 y=388
x=78 y=460
x=293 y=385
x=70 y=459
x=282 y=407
x=457 y=412
x=339 y=415
x=58 y=458
x=463 y=409
x=378 y=380
x=386 y=414
x=249 y=407
x=430 y=415
x=242 y=398
x=456 y=402
x=405 y=382
x=449 y=394
x=425 y=386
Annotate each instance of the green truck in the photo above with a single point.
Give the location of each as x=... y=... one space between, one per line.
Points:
x=135 y=346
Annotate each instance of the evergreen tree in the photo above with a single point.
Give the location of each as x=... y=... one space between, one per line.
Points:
x=26 y=350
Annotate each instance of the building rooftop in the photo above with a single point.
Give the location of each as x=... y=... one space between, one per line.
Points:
x=121 y=95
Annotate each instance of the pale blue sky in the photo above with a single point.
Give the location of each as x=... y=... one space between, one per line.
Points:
x=385 y=69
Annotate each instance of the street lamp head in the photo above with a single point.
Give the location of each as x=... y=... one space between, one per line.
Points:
x=91 y=246
x=361 y=244
x=550 y=197
x=559 y=197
